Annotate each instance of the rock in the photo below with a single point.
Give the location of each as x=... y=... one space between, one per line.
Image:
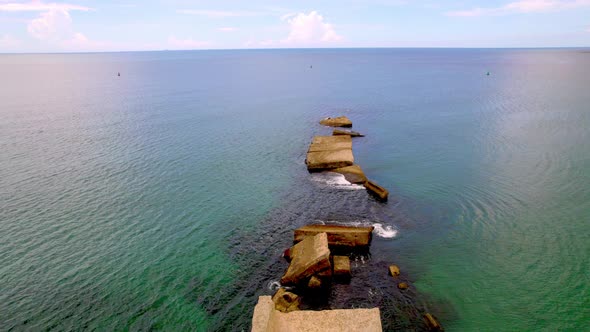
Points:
x=340 y=121
x=314 y=283
x=342 y=267
x=376 y=190
x=352 y=174
x=328 y=152
x=286 y=301
x=402 y=285
x=394 y=270
x=347 y=132
x=309 y=256
x=267 y=319
x=432 y=323
x=339 y=236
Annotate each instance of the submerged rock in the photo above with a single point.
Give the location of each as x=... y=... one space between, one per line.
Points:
x=308 y=257
x=339 y=236
x=314 y=283
x=394 y=270
x=432 y=323
x=340 y=121
x=376 y=190
x=350 y=133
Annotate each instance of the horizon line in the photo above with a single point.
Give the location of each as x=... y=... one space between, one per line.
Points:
x=304 y=48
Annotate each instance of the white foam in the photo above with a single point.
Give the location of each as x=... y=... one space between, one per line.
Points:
x=273 y=285
x=335 y=180
x=386 y=232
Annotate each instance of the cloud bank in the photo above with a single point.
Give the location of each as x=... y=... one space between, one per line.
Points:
x=522 y=7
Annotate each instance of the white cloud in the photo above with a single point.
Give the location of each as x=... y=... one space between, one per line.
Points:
x=54 y=25
x=55 y=29
x=522 y=7
x=7 y=42
x=186 y=44
x=227 y=29
x=309 y=29
x=39 y=6
x=218 y=13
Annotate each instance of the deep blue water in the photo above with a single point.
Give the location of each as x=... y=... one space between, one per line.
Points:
x=163 y=198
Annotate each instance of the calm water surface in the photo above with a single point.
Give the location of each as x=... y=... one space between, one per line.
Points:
x=163 y=198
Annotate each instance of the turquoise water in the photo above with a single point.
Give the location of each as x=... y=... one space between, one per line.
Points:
x=163 y=198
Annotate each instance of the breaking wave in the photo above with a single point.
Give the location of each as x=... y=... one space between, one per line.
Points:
x=335 y=180
x=382 y=231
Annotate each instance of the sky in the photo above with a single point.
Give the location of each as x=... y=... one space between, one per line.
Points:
x=96 y=26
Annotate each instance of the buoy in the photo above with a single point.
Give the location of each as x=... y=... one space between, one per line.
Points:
x=118 y=74
x=488 y=73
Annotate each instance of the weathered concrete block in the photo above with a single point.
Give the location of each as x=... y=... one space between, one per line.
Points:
x=344 y=236
x=286 y=301
x=309 y=256
x=342 y=267
x=353 y=174
x=376 y=190
x=327 y=152
x=340 y=121
x=350 y=133
x=394 y=270
x=267 y=319
x=317 y=161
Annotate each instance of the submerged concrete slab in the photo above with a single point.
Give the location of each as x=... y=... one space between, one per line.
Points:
x=347 y=132
x=376 y=190
x=340 y=121
x=353 y=174
x=267 y=319
x=309 y=257
x=344 y=236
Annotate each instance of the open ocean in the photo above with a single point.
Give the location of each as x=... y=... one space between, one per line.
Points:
x=162 y=199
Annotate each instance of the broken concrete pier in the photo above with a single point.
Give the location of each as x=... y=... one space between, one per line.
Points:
x=340 y=121
x=329 y=152
x=267 y=319
x=337 y=236
x=308 y=257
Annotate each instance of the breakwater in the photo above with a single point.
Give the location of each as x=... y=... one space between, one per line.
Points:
x=322 y=255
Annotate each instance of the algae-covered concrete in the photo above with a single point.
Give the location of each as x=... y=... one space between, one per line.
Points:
x=267 y=319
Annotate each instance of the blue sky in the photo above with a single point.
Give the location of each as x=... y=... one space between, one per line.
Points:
x=90 y=25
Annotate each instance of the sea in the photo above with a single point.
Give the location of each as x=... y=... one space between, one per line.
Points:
x=163 y=198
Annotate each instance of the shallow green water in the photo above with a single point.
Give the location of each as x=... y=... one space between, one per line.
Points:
x=155 y=200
